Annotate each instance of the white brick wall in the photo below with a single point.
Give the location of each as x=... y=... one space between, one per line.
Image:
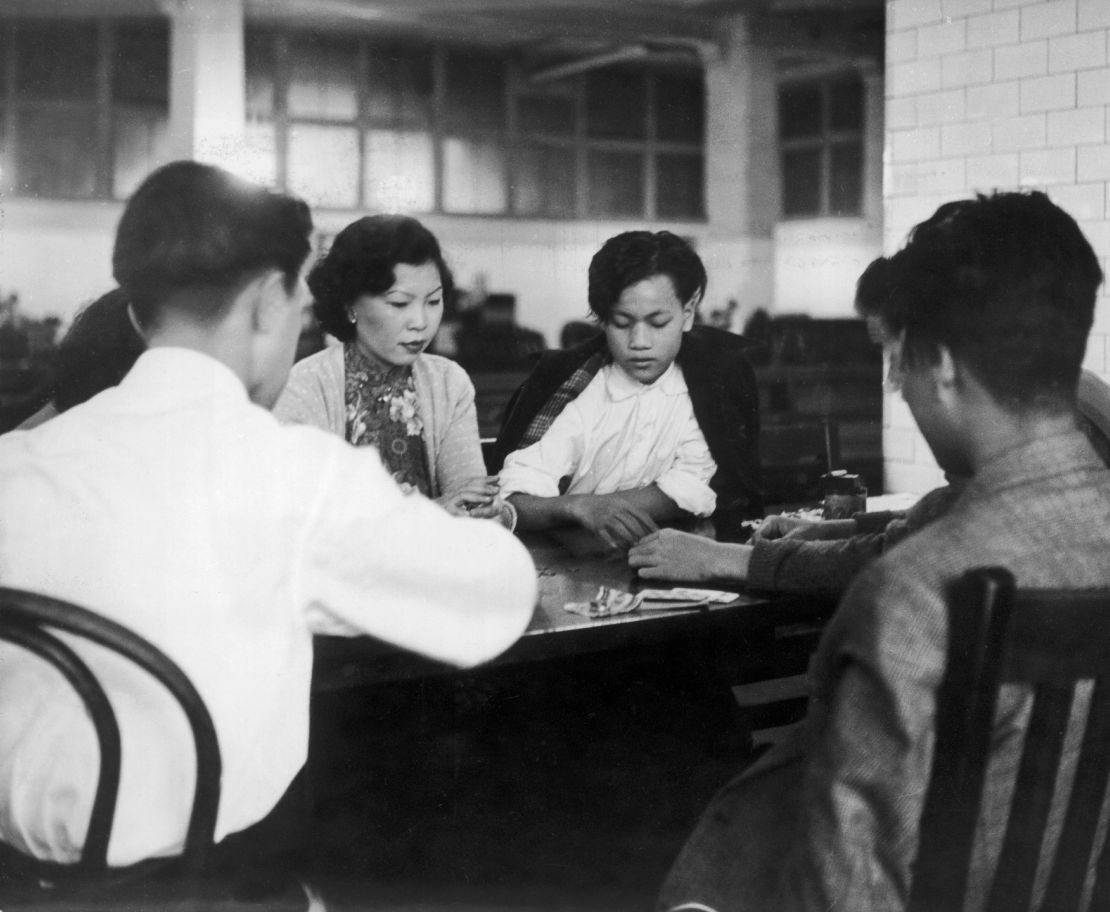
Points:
x=994 y=94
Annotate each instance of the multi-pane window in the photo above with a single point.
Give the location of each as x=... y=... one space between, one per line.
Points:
x=351 y=122
x=93 y=127
x=821 y=141
x=425 y=128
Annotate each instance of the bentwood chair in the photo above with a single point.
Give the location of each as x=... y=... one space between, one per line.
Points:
x=30 y=621
x=1049 y=640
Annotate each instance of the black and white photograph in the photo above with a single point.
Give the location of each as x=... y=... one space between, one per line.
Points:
x=554 y=455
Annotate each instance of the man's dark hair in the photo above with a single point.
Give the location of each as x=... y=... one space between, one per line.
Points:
x=874 y=289
x=191 y=226
x=361 y=260
x=1007 y=283
x=634 y=256
x=97 y=351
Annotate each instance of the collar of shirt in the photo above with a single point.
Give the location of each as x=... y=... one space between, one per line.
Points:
x=185 y=369
x=1047 y=457
x=620 y=386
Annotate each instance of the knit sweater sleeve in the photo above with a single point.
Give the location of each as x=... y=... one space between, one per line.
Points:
x=455 y=448
x=313 y=395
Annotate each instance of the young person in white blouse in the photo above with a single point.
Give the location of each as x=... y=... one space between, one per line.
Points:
x=176 y=504
x=629 y=443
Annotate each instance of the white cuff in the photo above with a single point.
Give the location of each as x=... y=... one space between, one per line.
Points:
x=688 y=491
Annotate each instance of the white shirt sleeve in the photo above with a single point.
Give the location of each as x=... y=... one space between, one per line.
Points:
x=400 y=568
x=686 y=482
x=537 y=469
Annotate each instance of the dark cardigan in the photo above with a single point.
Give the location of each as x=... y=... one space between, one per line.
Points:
x=725 y=400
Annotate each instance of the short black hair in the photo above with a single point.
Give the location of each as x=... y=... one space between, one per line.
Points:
x=96 y=352
x=1007 y=283
x=874 y=289
x=361 y=260
x=196 y=226
x=632 y=257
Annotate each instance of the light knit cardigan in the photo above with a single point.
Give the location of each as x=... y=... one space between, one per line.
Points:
x=315 y=395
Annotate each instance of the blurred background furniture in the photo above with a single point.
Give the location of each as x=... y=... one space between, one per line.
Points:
x=821 y=403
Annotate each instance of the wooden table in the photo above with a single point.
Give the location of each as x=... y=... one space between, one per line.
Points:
x=571 y=567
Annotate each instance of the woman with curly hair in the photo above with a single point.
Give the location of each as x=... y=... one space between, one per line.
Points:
x=380 y=290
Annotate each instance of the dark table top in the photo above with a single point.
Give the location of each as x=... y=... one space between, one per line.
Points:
x=570 y=566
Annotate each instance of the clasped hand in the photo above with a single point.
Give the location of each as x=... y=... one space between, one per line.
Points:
x=479 y=497
x=612 y=517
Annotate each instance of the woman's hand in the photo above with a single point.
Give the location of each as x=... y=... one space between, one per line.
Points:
x=478 y=498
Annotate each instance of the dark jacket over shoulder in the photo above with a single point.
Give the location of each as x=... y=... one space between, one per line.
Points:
x=724 y=397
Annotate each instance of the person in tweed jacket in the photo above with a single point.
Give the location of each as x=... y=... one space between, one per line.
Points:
x=986 y=327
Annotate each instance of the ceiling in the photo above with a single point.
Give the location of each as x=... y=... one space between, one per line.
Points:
x=549 y=33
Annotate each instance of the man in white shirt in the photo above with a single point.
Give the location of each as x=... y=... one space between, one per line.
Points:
x=630 y=445
x=177 y=505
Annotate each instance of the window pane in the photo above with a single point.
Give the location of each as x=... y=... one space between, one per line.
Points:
x=799 y=111
x=680 y=186
x=400 y=87
x=680 y=108
x=473 y=176
x=544 y=181
x=801 y=182
x=141 y=64
x=550 y=114
x=260 y=91
x=616 y=183
x=400 y=171
x=323 y=164
x=322 y=80
x=53 y=156
x=846 y=106
x=141 y=144
x=475 y=90
x=56 y=60
x=616 y=105
x=846 y=179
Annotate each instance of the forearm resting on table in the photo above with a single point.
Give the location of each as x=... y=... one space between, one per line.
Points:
x=539 y=513
x=684 y=557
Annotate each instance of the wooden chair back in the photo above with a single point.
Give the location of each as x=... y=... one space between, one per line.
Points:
x=29 y=620
x=1049 y=640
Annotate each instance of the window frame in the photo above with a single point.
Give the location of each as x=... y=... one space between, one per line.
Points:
x=824 y=142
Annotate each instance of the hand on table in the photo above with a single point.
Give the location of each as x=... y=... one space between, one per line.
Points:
x=792 y=527
x=477 y=498
x=612 y=518
x=680 y=556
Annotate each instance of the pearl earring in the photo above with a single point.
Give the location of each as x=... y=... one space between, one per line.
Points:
x=351 y=316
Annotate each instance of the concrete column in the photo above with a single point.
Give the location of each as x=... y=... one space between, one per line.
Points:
x=207 y=80
x=742 y=188
x=873 y=124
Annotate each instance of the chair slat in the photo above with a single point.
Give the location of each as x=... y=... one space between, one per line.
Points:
x=978 y=618
x=94 y=853
x=1021 y=847
x=1100 y=896
x=1065 y=885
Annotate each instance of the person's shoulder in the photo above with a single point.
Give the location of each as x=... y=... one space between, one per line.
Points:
x=713 y=339
x=710 y=352
x=322 y=362
x=444 y=373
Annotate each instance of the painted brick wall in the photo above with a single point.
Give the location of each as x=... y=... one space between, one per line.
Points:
x=994 y=94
